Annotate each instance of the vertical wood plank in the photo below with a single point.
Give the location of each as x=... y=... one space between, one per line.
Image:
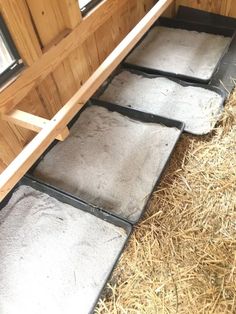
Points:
x=91 y=52
x=133 y=13
x=104 y=39
x=79 y=66
x=12 y=142
x=122 y=20
x=214 y=6
x=65 y=81
x=48 y=19
x=230 y=8
x=71 y=12
x=51 y=18
x=32 y=104
x=171 y=10
x=18 y=20
x=49 y=97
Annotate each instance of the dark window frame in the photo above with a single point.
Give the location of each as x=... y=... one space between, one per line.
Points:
x=88 y=7
x=14 y=68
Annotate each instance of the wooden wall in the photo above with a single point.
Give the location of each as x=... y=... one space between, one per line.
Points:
x=223 y=7
x=37 y=26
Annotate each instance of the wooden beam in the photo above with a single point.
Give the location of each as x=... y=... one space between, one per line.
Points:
x=39 y=144
x=18 y=20
x=49 y=61
x=31 y=122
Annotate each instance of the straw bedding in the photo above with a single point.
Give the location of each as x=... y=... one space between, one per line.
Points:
x=182 y=256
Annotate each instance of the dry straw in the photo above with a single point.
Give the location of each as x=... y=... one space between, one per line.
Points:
x=182 y=256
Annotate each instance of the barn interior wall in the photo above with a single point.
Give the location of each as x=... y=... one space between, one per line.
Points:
x=37 y=26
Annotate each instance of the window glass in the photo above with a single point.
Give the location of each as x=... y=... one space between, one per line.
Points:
x=83 y=3
x=6 y=58
x=10 y=61
x=87 y=5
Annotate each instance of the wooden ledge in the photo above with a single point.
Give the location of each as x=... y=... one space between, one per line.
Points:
x=31 y=122
x=51 y=58
x=22 y=163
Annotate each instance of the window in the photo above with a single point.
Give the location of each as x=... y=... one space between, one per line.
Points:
x=10 y=61
x=87 y=5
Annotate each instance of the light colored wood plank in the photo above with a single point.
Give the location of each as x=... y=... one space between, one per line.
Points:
x=65 y=81
x=13 y=138
x=79 y=66
x=122 y=18
x=11 y=144
x=230 y=8
x=2 y=166
x=45 y=100
x=51 y=17
x=118 y=25
x=216 y=6
x=17 y=18
x=133 y=13
x=47 y=18
x=49 y=97
x=171 y=11
x=56 y=40
x=105 y=39
x=91 y=52
x=71 y=12
x=50 y=60
x=38 y=145
x=62 y=136
x=31 y=122
x=33 y=104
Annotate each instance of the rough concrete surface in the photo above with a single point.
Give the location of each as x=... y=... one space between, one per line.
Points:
x=54 y=257
x=180 y=51
x=197 y=107
x=109 y=160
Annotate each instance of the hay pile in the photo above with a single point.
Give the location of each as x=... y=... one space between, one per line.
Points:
x=182 y=256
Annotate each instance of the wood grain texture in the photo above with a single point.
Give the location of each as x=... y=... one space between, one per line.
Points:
x=105 y=39
x=48 y=94
x=31 y=122
x=18 y=20
x=14 y=138
x=11 y=144
x=43 y=88
x=66 y=87
x=52 y=17
x=223 y=7
x=37 y=146
x=50 y=60
x=171 y=10
x=71 y=12
x=43 y=102
x=44 y=96
x=48 y=19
